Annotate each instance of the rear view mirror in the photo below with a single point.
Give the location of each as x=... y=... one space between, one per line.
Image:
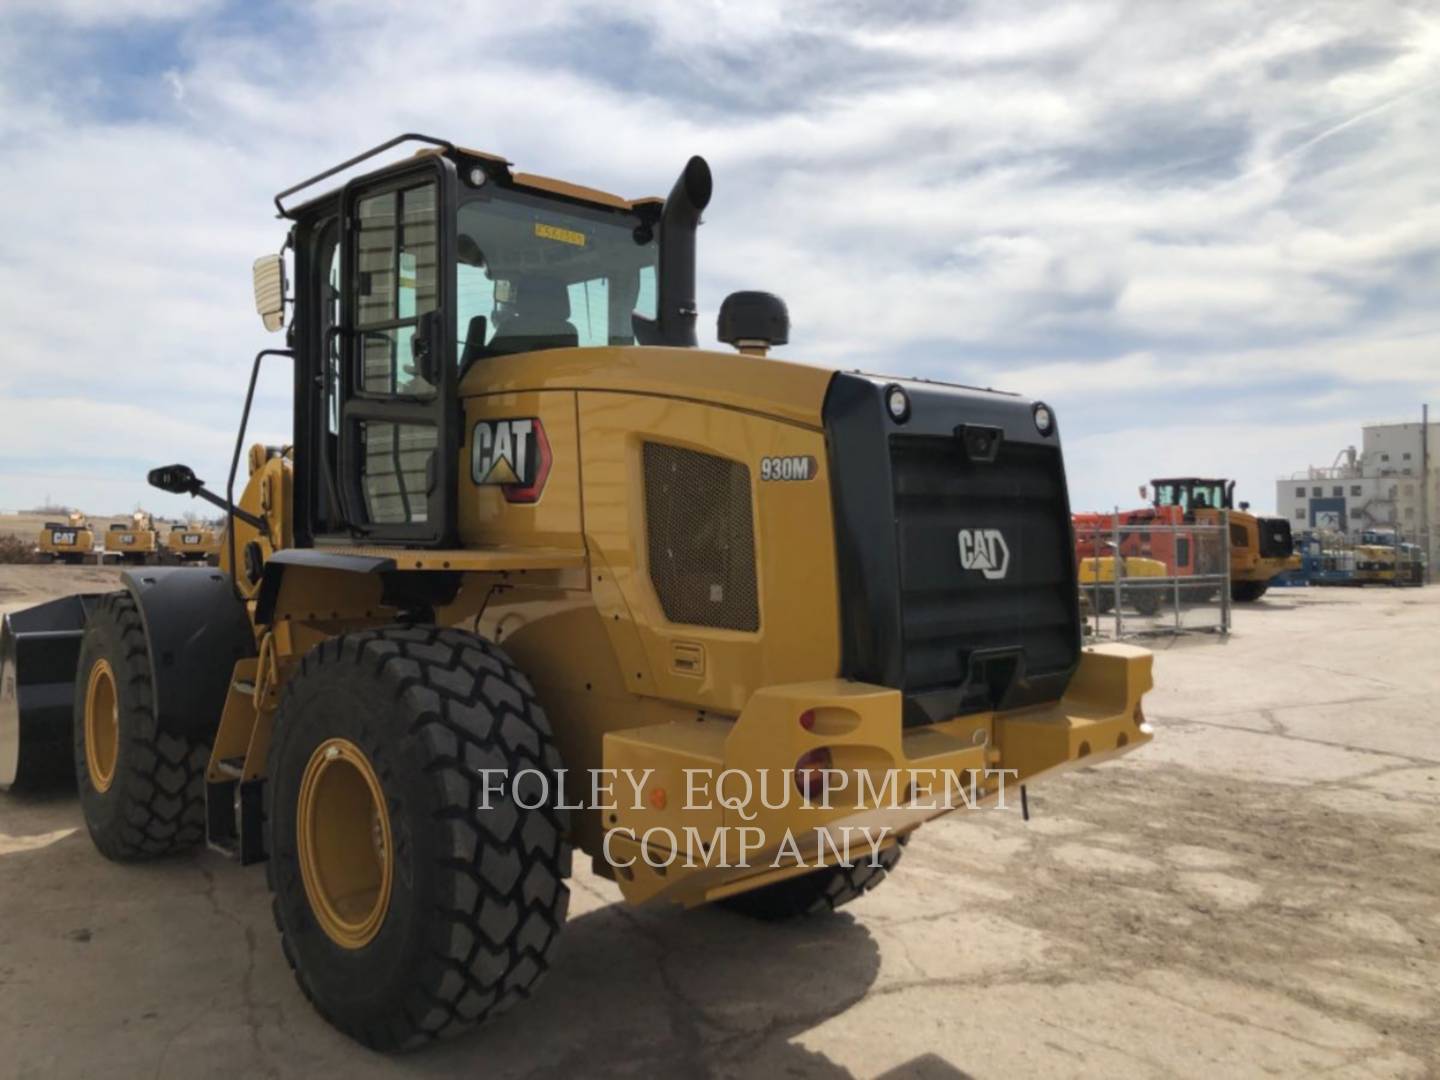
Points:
x=269 y=275
x=176 y=479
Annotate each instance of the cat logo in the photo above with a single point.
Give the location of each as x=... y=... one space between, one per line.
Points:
x=985 y=550
x=513 y=455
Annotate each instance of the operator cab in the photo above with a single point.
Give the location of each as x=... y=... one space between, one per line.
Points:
x=1191 y=493
x=410 y=276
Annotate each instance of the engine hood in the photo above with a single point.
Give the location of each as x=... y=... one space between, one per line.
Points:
x=784 y=389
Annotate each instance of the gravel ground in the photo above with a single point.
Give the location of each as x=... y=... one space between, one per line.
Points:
x=1255 y=893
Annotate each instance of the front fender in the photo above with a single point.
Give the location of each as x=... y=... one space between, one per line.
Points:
x=197 y=627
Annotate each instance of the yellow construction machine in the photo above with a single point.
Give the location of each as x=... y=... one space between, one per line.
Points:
x=1261 y=548
x=134 y=541
x=193 y=542
x=537 y=573
x=71 y=541
x=1140 y=583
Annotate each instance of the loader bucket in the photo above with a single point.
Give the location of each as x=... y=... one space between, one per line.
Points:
x=39 y=651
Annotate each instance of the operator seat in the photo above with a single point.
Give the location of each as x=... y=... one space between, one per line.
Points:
x=538 y=317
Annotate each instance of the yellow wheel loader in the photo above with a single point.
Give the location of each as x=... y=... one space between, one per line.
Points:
x=193 y=543
x=1261 y=548
x=136 y=541
x=71 y=541
x=537 y=573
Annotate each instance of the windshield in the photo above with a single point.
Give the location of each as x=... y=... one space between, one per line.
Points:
x=535 y=273
x=1191 y=494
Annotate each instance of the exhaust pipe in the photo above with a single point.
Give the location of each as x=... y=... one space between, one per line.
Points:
x=675 y=304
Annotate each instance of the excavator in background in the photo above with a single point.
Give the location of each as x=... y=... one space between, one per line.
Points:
x=136 y=541
x=193 y=542
x=1261 y=548
x=70 y=542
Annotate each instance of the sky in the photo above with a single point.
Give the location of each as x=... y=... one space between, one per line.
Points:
x=1207 y=234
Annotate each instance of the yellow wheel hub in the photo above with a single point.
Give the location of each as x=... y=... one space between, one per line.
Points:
x=343 y=842
x=102 y=726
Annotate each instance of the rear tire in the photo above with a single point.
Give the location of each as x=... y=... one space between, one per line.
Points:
x=142 y=789
x=1243 y=592
x=1146 y=603
x=461 y=904
x=817 y=893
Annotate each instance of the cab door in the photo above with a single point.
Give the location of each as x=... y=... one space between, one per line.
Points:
x=398 y=439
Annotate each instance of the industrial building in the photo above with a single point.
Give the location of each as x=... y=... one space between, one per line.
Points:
x=1390 y=483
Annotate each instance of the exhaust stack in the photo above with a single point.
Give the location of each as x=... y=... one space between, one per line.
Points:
x=675 y=304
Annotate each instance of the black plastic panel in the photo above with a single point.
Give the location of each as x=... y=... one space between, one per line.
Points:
x=913 y=616
x=197 y=628
x=1276 y=540
x=39 y=651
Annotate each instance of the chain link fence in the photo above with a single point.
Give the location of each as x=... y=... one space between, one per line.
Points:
x=1146 y=579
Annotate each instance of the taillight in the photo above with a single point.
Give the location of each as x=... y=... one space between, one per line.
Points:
x=810 y=772
x=807 y=719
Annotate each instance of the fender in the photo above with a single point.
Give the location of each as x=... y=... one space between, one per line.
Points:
x=274 y=572
x=197 y=628
x=413 y=594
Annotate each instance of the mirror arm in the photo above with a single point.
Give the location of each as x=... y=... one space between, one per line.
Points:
x=255 y=522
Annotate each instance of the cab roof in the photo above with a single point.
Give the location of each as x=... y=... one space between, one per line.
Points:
x=496 y=167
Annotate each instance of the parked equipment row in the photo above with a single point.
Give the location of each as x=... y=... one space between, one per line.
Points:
x=137 y=541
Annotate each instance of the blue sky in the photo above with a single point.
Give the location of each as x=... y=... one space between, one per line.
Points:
x=1207 y=233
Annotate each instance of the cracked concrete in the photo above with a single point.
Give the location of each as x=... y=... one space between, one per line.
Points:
x=1256 y=893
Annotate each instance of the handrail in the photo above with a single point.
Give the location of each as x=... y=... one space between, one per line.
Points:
x=396 y=141
x=235 y=460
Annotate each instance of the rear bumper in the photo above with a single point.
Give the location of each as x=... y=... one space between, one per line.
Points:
x=720 y=812
x=1266 y=568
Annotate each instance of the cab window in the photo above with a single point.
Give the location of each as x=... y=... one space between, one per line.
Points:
x=396 y=280
x=538 y=273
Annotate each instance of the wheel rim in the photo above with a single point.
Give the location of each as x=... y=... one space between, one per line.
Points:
x=102 y=725
x=343 y=841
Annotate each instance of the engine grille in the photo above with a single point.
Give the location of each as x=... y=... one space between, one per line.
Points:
x=1276 y=540
x=948 y=614
x=700 y=533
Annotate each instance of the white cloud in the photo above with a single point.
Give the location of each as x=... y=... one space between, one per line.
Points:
x=1106 y=205
x=110 y=12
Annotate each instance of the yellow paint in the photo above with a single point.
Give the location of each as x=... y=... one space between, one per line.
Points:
x=343 y=843
x=563 y=585
x=102 y=726
x=767 y=386
x=1098 y=718
x=1246 y=563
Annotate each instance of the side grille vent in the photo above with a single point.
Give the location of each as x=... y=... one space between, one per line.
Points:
x=700 y=532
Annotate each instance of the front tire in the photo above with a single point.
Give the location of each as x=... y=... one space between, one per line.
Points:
x=408 y=910
x=142 y=789
x=819 y=892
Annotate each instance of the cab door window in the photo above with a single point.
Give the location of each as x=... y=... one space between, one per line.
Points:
x=396 y=280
